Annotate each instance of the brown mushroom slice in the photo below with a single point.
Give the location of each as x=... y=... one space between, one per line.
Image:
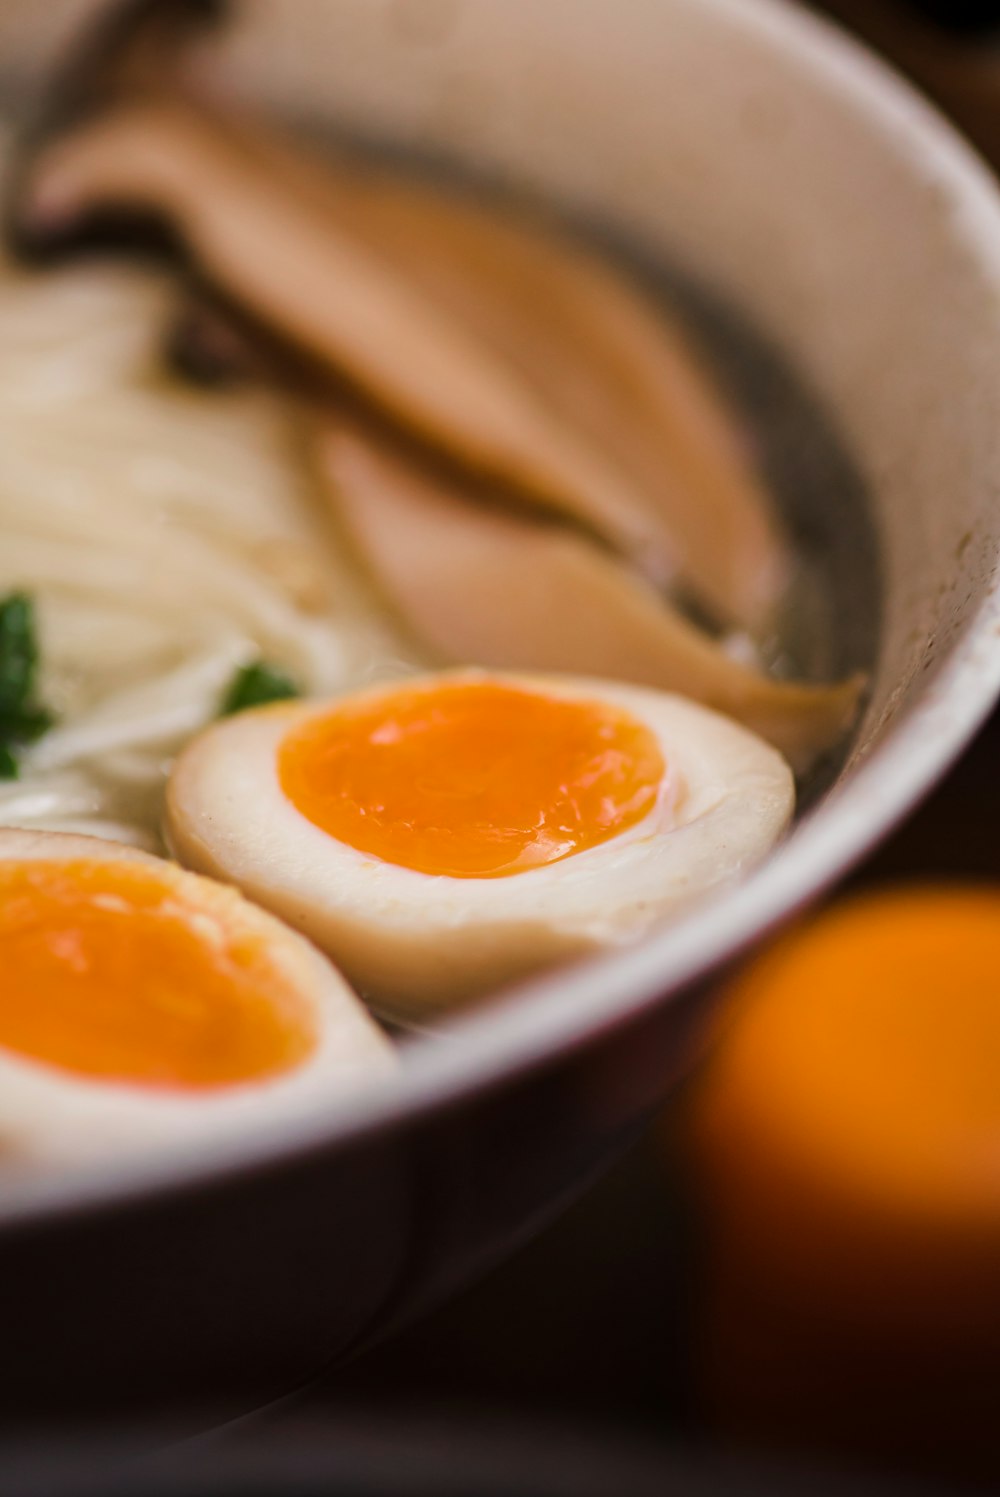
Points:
x=604 y=357
x=483 y=585
x=609 y=363
x=275 y=251
x=211 y=345
x=588 y=340
x=136 y=45
x=131 y=49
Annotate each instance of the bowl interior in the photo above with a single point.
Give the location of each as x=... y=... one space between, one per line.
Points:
x=769 y=161
x=835 y=243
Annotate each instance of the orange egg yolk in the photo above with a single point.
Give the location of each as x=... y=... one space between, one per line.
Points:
x=116 y=972
x=472 y=779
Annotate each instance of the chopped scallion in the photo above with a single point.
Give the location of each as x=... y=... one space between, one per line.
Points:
x=23 y=719
x=255 y=685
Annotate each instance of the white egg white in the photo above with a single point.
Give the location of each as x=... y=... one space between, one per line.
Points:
x=49 y=1115
x=414 y=942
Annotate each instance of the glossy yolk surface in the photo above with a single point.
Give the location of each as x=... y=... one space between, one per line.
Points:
x=116 y=972
x=472 y=779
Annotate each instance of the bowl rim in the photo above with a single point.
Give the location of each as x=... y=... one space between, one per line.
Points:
x=554 y=1015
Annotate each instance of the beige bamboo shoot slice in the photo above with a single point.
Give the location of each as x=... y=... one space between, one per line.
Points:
x=481 y=585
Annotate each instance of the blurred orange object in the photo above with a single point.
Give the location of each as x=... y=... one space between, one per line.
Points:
x=845 y=1144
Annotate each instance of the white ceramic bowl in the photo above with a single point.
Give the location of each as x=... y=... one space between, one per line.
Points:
x=753 y=145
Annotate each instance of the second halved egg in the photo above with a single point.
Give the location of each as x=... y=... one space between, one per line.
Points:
x=142 y=1007
x=444 y=836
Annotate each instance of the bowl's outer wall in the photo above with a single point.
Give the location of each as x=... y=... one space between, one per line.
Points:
x=787 y=171
x=196 y=1306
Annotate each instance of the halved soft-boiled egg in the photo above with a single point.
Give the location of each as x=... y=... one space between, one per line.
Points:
x=144 y=1005
x=446 y=835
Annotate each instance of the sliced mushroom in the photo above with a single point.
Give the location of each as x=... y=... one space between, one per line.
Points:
x=135 y=48
x=210 y=344
x=601 y=357
x=273 y=249
x=132 y=46
x=528 y=363
x=475 y=583
x=593 y=345
x=479 y=584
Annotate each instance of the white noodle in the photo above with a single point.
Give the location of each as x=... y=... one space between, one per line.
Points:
x=167 y=536
x=156 y=713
